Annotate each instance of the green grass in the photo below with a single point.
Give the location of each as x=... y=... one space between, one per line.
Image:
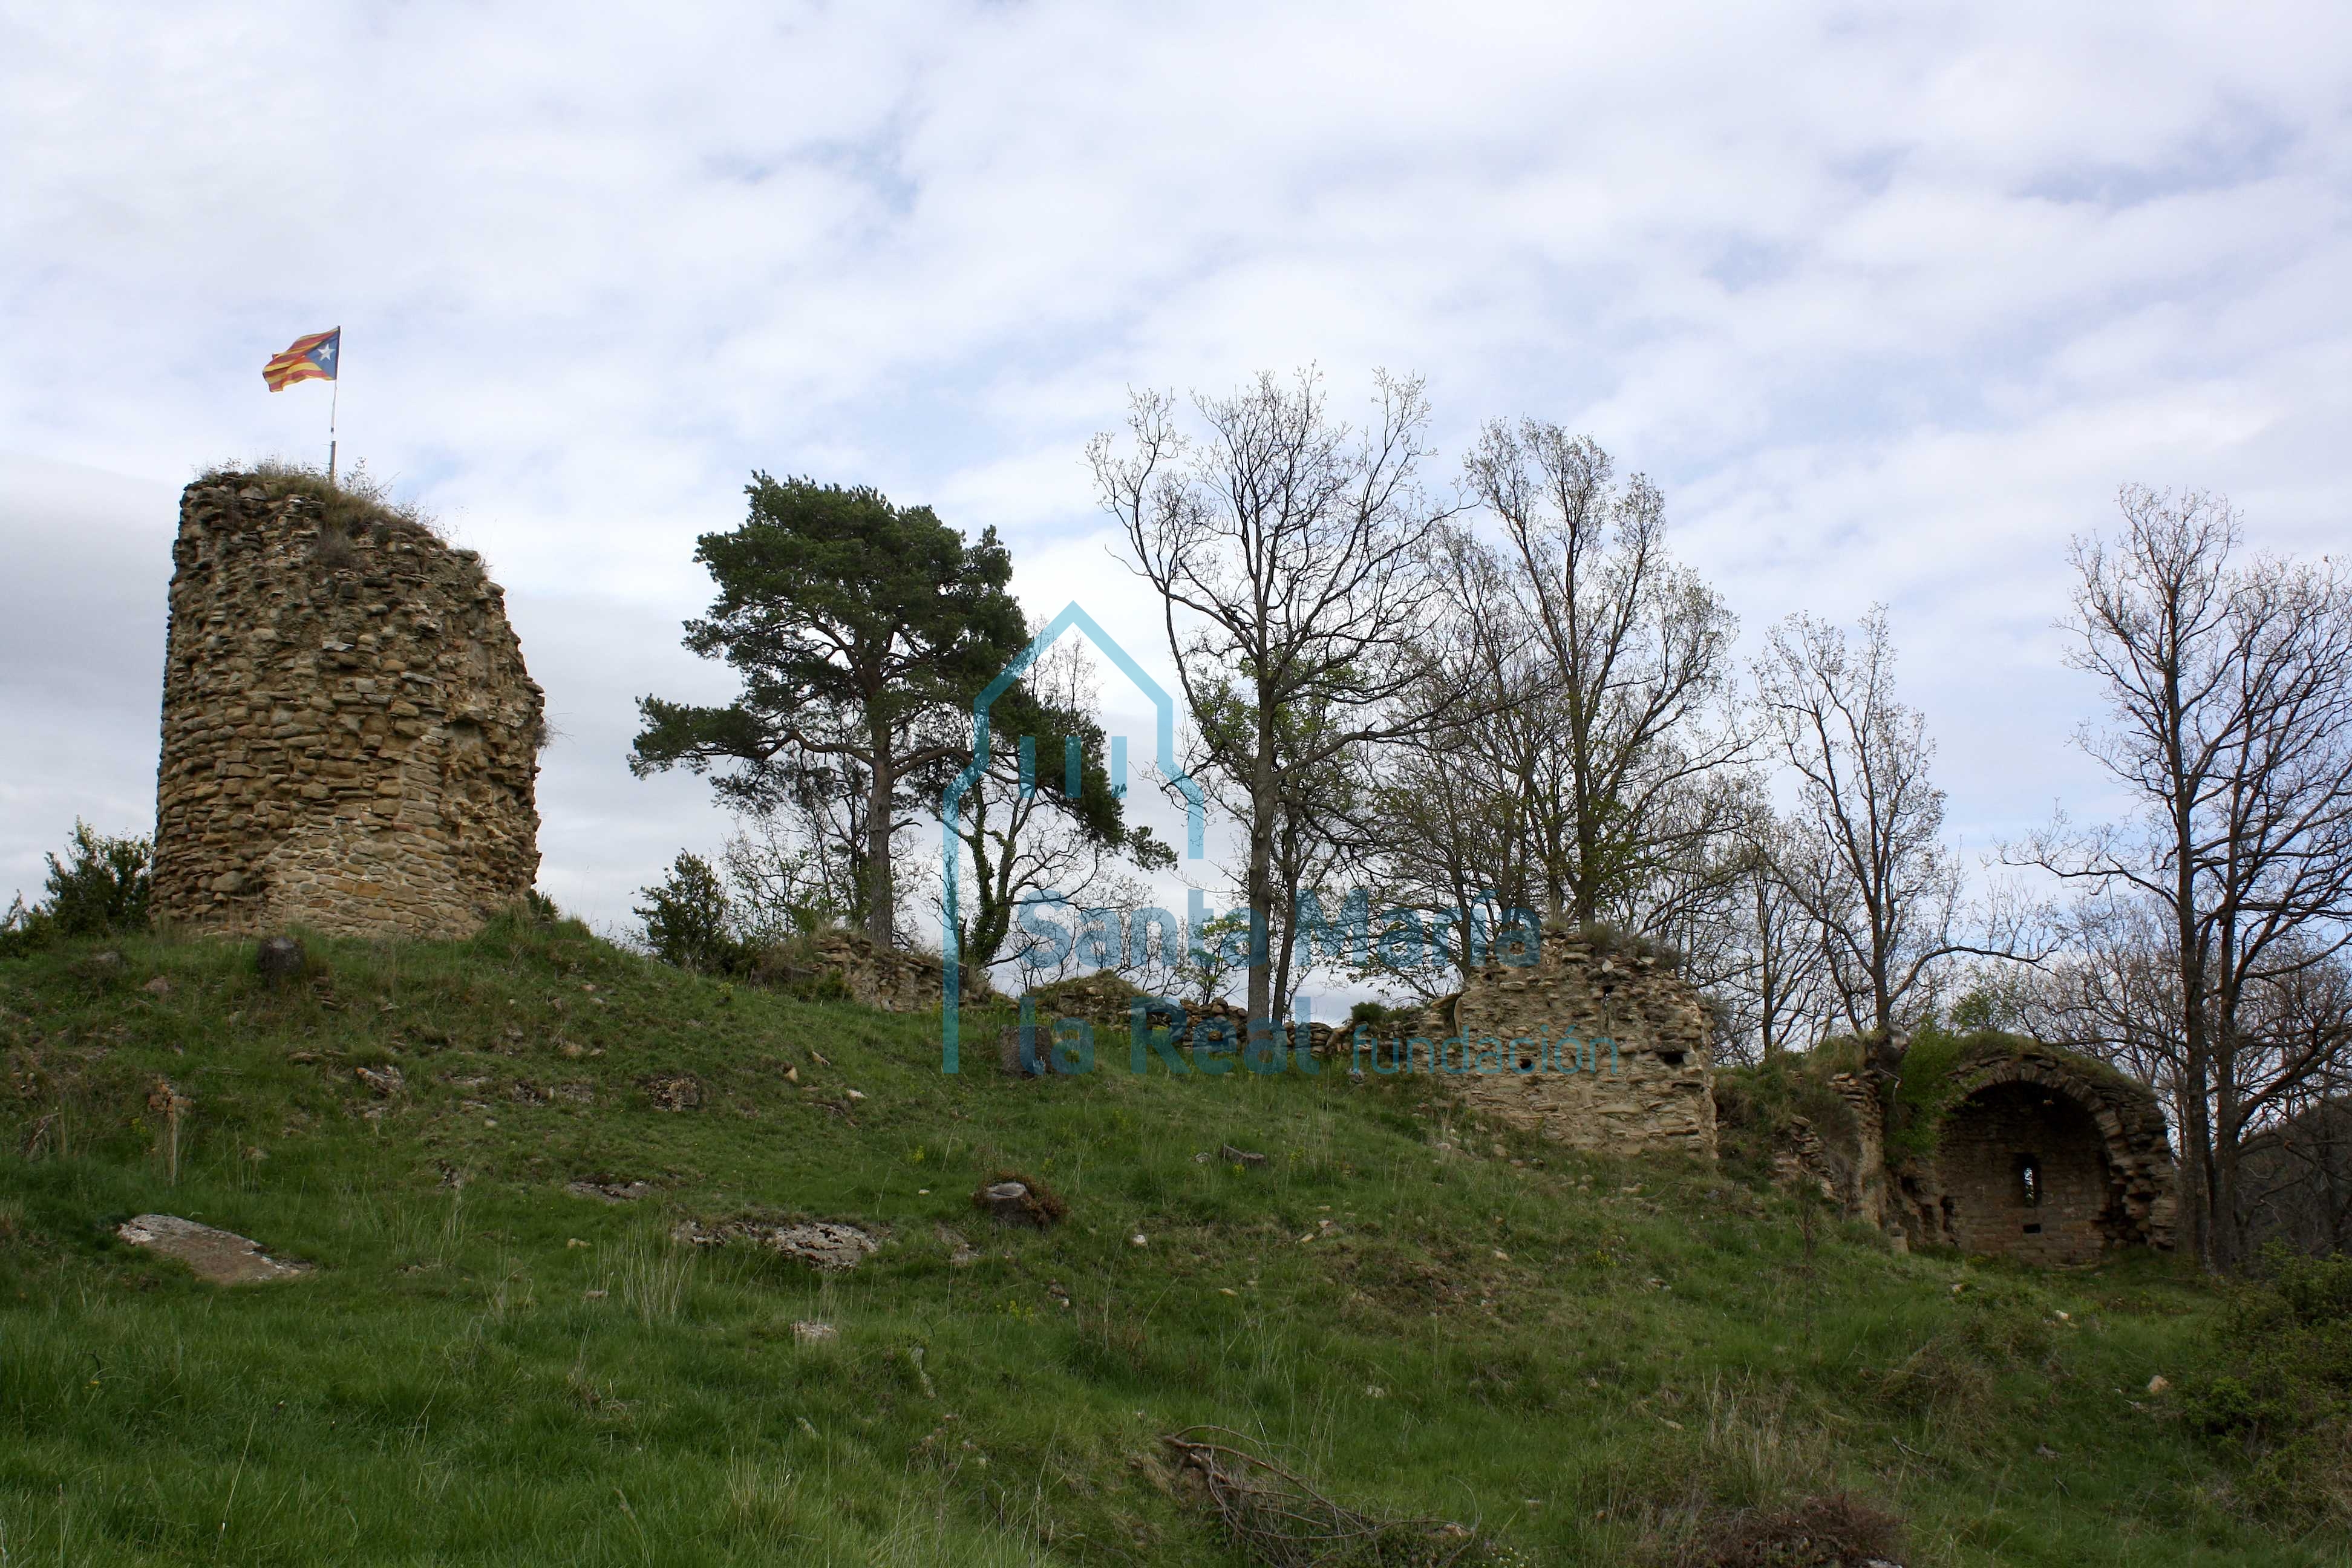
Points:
x=1584 y=1358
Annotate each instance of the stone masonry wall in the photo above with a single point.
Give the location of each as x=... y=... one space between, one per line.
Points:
x=1979 y=1157
x=350 y=737
x=1660 y=1096
x=2096 y=1140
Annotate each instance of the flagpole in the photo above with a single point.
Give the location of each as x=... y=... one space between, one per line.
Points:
x=334 y=399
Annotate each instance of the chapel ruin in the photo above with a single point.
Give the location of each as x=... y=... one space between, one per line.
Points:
x=351 y=740
x=2039 y=1154
x=2043 y=1156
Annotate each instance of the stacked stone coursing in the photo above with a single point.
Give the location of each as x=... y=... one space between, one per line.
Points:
x=351 y=740
x=1106 y=1001
x=2097 y=1140
x=888 y=980
x=1652 y=1091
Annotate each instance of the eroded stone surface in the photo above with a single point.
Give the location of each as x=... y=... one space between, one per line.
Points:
x=890 y=980
x=1641 y=1048
x=220 y=1256
x=350 y=737
x=1104 y=1000
x=2103 y=1173
x=827 y=1244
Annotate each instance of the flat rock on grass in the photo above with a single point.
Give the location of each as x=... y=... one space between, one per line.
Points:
x=219 y=1257
x=823 y=1244
x=609 y=1192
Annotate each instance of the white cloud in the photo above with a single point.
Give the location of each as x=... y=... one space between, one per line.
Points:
x=1888 y=301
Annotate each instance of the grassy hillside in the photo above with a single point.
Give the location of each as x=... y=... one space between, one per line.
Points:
x=1585 y=1361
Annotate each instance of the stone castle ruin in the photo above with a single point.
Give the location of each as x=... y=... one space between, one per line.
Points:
x=2042 y=1156
x=351 y=740
x=1641 y=1056
x=2039 y=1154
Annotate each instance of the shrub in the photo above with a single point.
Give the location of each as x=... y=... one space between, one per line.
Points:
x=1928 y=1087
x=1755 y=1105
x=21 y=929
x=690 y=921
x=103 y=886
x=2280 y=1400
x=2318 y=1291
x=1614 y=942
x=1818 y=1532
x=793 y=965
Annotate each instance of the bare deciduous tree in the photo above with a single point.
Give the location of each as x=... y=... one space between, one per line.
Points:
x=1779 y=990
x=1451 y=807
x=1288 y=549
x=1868 y=862
x=1638 y=650
x=2228 y=698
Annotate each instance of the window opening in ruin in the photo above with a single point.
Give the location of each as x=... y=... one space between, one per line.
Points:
x=2029 y=1180
x=1671 y=1059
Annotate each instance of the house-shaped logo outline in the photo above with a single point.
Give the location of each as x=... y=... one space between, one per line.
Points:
x=951 y=846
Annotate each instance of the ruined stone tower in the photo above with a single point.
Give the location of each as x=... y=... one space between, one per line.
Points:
x=349 y=738
x=1648 y=1086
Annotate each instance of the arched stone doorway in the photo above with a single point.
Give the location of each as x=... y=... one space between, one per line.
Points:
x=2050 y=1160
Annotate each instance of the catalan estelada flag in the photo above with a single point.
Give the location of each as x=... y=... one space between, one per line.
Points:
x=305 y=359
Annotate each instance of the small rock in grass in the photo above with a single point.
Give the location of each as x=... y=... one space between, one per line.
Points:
x=1234 y=1157
x=810 y=1333
x=2159 y=1384
x=609 y=1192
x=386 y=1081
x=281 y=960
x=159 y=986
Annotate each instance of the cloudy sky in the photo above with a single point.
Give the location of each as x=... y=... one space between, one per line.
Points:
x=1888 y=300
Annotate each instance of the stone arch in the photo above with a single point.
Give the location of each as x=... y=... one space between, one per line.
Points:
x=2049 y=1160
